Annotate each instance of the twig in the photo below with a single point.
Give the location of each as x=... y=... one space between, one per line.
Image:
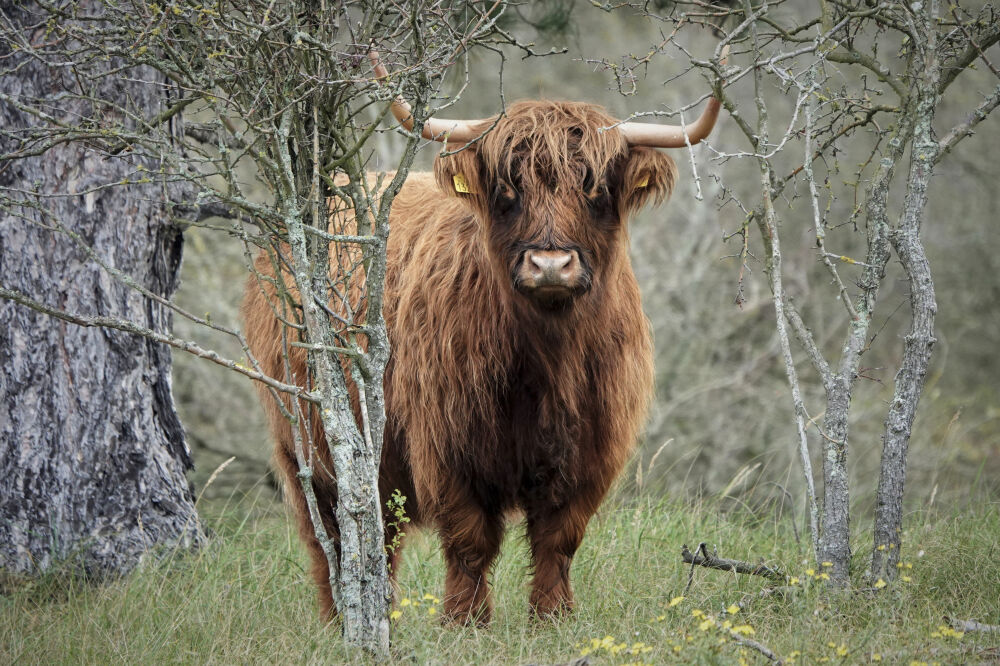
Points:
x=964 y=128
x=788 y=496
x=701 y=547
x=750 y=643
x=701 y=557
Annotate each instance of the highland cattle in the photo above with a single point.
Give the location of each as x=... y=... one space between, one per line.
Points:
x=521 y=363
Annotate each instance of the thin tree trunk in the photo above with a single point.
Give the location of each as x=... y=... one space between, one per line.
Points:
x=362 y=589
x=835 y=546
x=92 y=454
x=920 y=338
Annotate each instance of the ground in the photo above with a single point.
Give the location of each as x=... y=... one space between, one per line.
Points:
x=246 y=598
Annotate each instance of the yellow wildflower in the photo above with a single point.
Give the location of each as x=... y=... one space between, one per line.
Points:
x=395 y=615
x=432 y=611
x=879 y=584
x=945 y=630
x=405 y=601
x=733 y=610
x=675 y=601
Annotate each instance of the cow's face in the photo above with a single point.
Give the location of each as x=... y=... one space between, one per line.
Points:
x=554 y=194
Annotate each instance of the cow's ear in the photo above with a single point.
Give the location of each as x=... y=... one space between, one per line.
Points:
x=649 y=177
x=458 y=174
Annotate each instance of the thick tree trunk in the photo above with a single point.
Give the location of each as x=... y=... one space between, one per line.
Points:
x=92 y=454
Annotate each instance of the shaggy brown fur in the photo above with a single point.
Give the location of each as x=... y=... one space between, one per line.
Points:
x=498 y=400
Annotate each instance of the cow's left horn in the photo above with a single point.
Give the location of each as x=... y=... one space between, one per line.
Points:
x=454 y=131
x=672 y=136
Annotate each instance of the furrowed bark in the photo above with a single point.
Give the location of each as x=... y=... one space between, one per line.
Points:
x=92 y=454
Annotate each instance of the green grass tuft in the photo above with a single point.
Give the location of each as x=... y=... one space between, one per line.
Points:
x=246 y=598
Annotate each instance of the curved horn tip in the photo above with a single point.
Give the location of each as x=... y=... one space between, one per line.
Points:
x=380 y=71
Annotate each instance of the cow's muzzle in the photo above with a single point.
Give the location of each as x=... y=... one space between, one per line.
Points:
x=552 y=278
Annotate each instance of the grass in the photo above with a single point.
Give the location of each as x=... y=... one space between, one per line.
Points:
x=245 y=598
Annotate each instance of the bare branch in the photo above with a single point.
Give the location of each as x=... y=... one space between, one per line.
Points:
x=964 y=129
x=167 y=339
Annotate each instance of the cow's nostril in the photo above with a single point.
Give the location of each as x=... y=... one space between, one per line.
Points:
x=550 y=262
x=551 y=276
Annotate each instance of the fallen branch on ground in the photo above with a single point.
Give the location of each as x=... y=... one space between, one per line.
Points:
x=971 y=625
x=701 y=557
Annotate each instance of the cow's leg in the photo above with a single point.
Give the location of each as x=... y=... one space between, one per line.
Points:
x=471 y=540
x=554 y=535
x=326 y=499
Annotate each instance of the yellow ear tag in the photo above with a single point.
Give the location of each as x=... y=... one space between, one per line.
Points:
x=643 y=183
x=461 y=184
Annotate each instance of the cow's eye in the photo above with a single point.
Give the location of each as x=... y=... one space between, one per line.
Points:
x=600 y=202
x=506 y=199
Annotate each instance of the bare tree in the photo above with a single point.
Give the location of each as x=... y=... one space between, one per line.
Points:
x=811 y=92
x=278 y=93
